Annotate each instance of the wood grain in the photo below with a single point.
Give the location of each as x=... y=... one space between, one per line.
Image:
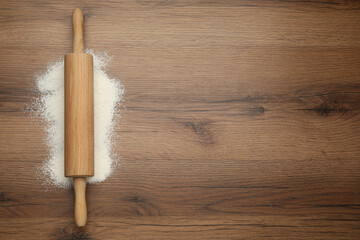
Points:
x=241 y=120
x=79 y=115
x=78 y=31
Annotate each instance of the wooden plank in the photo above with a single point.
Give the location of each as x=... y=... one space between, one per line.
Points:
x=201 y=227
x=240 y=121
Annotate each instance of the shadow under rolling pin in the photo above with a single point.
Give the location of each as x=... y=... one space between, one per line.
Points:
x=79 y=117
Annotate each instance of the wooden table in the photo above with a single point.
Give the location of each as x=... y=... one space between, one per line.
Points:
x=240 y=121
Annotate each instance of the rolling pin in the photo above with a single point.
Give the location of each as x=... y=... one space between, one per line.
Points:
x=79 y=117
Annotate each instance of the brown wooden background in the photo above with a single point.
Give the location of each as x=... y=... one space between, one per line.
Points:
x=241 y=120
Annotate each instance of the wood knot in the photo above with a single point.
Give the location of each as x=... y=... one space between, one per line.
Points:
x=4 y=198
x=72 y=232
x=200 y=129
x=78 y=236
x=143 y=207
x=257 y=111
x=330 y=101
x=137 y=199
x=323 y=109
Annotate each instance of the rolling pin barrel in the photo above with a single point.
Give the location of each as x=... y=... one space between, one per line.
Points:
x=79 y=117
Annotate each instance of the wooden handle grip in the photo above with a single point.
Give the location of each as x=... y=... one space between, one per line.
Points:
x=78 y=26
x=80 y=201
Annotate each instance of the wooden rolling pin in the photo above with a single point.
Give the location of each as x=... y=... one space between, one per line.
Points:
x=79 y=117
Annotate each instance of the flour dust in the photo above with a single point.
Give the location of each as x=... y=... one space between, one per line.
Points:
x=108 y=93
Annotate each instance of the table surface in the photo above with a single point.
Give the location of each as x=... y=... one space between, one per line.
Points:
x=240 y=121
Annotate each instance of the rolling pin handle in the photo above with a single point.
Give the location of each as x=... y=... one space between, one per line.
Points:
x=78 y=27
x=80 y=201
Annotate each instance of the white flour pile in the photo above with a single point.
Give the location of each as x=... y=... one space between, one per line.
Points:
x=108 y=93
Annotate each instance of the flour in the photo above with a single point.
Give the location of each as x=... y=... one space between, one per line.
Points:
x=108 y=93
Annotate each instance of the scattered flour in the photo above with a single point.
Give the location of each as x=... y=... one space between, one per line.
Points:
x=108 y=93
